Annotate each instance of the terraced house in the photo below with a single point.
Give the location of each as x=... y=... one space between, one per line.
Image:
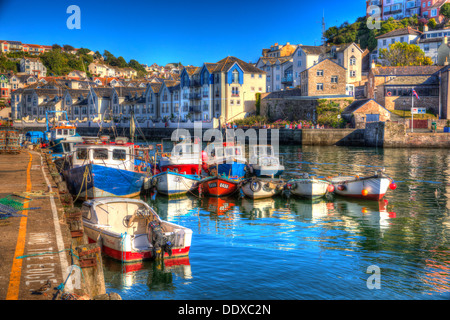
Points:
x=225 y=90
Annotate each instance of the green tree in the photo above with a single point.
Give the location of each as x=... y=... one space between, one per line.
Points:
x=404 y=54
x=432 y=23
x=445 y=11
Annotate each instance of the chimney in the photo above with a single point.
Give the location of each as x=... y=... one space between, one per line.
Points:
x=425 y=28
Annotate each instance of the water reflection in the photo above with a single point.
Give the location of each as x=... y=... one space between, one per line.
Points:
x=157 y=275
x=332 y=240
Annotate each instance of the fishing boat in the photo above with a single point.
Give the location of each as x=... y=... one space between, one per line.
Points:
x=173 y=183
x=371 y=187
x=307 y=187
x=62 y=132
x=101 y=168
x=227 y=159
x=258 y=188
x=219 y=186
x=264 y=162
x=129 y=230
x=185 y=158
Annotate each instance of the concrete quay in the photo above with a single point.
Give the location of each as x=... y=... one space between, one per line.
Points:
x=40 y=252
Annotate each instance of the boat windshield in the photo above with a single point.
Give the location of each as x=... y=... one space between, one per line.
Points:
x=82 y=154
x=100 y=154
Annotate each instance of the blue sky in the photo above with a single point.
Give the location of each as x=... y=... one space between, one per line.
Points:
x=191 y=32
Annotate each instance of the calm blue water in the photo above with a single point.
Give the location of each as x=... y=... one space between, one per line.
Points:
x=296 y=249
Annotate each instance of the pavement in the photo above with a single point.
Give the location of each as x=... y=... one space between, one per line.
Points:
x=34 y=248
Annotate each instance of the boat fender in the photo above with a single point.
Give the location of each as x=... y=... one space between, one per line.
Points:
x=293 y=186
x=154 y=182
x=341 y=187
x=255 y=186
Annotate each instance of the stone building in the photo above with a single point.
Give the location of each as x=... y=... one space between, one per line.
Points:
x=361 y=112
x=324 y=79
x=392 y=87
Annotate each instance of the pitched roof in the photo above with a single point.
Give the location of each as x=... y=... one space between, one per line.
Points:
x=226 y=63
x=313 y=50
x=414 y=80
x=355 y=105
x=400 y=32
x=406 y=70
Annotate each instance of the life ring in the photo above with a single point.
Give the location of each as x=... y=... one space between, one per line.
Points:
x=255 y=186
x=388 y=93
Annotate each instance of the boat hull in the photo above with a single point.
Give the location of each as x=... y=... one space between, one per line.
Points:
x=121 y=248
x=219 y=187
x=308 y=188
x=103 y=181
x=258 y=189
x=172 y=183
x=376 y=187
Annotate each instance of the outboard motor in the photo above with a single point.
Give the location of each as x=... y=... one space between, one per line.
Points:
x=159 y=241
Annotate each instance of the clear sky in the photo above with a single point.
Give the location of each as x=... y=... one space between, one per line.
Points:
x=190 y=32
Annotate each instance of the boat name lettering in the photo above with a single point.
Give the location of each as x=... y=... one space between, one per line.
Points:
x=223 y=185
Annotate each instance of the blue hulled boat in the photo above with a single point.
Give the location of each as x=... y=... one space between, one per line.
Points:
x=101 y=168
x=227 y=160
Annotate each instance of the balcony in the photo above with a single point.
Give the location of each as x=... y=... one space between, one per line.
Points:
x=195 y=109
x=195 y=96
x=194 y=83
x=287 y=79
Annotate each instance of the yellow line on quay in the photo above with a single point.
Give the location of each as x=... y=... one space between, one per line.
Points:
x=16 y=270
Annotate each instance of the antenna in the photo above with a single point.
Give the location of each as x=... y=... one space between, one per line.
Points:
x=323 y=29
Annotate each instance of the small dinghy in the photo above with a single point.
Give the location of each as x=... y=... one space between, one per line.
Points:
x=371 y=187
x=129 y=230
x=307 y=187
x=258 y=188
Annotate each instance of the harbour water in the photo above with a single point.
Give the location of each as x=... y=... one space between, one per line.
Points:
x=284 y=248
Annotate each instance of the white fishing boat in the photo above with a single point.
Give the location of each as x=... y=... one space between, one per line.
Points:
x=172 y=183
x=307 y=187
x=258 y=188
x=129 y=230
x=370 y=187
x=264 y=162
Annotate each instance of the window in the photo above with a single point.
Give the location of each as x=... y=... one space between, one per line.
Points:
x=299 y=53
x=334 y=79
x=426 y=47
x=384 y=42
x=319 y=87
x=235 y=76
x=299 y=63
x=352 y=61
x=352 y=73
x=319 y=73
x=119 y=154
x=433 y=12
x=100 y=154
x=82 y=154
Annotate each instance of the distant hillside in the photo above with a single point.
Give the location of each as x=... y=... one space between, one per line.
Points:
x=359 y=33
x=58 y=62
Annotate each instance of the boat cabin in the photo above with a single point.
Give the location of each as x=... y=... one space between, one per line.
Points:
x=62 y=131
x=118 y=154
x=221 y=153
